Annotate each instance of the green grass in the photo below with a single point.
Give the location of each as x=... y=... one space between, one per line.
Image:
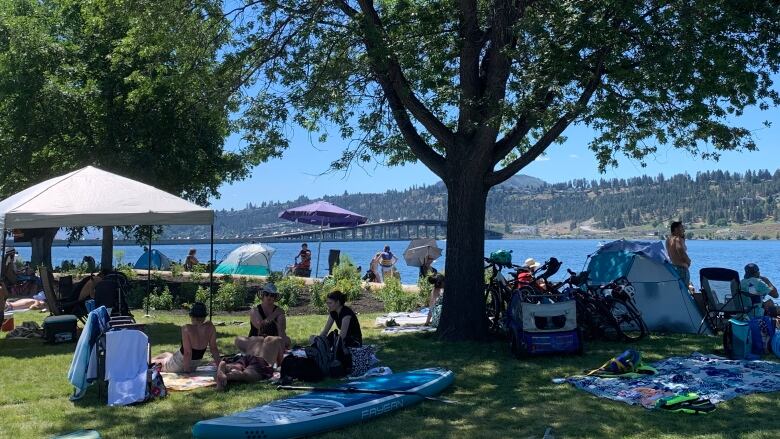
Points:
x=501 y=397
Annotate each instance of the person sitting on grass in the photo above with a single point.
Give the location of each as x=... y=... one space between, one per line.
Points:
x=266 y=318
x=191 y=261
x=196 y=338
x=347 y=324
x=244 y=369
x=758 y=287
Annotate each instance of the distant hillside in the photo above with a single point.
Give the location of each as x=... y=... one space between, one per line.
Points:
x=716 y=199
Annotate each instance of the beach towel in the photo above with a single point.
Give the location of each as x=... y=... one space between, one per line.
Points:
x=408 y=329
x=711 y=377
x=183 y=382
x=402 y=319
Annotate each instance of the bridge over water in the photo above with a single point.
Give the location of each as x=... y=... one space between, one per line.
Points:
x=400 y=230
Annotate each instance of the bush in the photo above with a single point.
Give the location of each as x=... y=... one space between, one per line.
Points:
x=160 y=299
x=127 y=270
x=275 y=276
x=347 y=279
x=176 y=269
x=230 y=296
x=135 y=297
x=289 y=289
x=396 y=299
x=424 y=289
x=319 y=292
x=187 y=291
x=202 y=296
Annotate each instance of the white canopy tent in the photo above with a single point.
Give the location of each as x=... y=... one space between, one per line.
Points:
x=93 y=197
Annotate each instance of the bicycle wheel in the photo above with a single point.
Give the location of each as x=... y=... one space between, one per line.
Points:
x=493 y=310
x=630 y=324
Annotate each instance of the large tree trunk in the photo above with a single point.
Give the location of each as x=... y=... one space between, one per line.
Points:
x=107 y=248
x=41 y=248
x=463 y=310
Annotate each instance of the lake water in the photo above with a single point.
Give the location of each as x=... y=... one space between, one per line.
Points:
x=572 y=252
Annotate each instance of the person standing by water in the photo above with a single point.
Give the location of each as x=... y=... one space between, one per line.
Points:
x=678 y=252
x=387 y=261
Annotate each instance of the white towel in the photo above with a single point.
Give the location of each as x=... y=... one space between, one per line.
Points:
x=126 y=366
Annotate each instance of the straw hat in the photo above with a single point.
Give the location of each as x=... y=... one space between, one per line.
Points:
x=532 y=264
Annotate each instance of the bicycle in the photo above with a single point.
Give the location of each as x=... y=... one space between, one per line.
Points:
x=606 y=311
x=498 y=294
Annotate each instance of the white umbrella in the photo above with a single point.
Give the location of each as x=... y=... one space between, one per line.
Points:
x=420 y=249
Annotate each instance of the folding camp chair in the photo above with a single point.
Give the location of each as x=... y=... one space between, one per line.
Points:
x=722 y=296
x=111 y=292
x=57 y=306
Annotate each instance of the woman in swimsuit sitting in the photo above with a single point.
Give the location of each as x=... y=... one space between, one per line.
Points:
x=195 y=339
x=267 y=318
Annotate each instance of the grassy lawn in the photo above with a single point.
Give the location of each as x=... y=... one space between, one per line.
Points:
x=501 y=397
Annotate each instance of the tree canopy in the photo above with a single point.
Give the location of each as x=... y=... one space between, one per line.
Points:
x=476 y=90
x=130 y=86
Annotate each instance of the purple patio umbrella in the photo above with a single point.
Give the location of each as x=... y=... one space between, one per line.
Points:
x=323 y=214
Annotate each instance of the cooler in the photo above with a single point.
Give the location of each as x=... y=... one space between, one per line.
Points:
x=60 y=329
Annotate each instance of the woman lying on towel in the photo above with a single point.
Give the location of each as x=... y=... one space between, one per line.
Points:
x=244 y=369
x=19 y=304
x=270 y=348
x=195 y=339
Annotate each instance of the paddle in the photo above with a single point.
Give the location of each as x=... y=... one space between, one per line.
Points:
x=371 y=391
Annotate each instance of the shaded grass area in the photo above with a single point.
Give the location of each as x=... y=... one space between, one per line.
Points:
x=500 y=396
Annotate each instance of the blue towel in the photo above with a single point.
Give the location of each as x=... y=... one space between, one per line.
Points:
x=97 y=323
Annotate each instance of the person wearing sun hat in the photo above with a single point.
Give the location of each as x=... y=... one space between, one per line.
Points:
x=9 y=270
x=266 y=318
x=196 y=338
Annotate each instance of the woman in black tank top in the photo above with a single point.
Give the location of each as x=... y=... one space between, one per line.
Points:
x=267 y=319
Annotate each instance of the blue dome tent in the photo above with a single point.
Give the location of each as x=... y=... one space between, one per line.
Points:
x=159 y=261
x=661 y=296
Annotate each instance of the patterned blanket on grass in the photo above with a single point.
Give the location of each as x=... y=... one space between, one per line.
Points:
x=715 y=378
x=182 y=382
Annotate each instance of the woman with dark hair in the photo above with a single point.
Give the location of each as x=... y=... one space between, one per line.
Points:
x=196 y=338
x=347 y=324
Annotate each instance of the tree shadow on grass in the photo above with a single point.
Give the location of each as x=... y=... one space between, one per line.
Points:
x=499 y=396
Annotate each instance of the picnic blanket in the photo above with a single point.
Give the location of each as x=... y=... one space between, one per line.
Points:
x=182 y=382
x=710 y=376
x=408 y=329
x=403 y=318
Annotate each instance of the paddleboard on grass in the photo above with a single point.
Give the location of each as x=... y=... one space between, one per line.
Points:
x=316 y=412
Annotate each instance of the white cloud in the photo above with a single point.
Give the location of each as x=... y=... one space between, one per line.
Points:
x=542 y=158
x=573 y=156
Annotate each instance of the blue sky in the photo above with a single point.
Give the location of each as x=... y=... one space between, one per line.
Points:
x=299 y=171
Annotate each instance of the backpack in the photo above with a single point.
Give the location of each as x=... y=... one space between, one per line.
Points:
x=304 y=369
x=737 y=340
x=762 y=329
x=501 y=257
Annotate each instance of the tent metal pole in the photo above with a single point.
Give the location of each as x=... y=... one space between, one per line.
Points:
x=149 y=271
x=2 y=268
x=212 y=264
x=319 y=248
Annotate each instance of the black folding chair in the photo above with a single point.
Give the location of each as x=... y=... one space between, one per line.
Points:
x=722 y=296
x=111 y=292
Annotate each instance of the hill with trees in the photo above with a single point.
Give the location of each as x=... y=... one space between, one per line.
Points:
x=715 y=198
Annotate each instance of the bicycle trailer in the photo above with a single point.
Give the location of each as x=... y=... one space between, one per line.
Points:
x=543 y=328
